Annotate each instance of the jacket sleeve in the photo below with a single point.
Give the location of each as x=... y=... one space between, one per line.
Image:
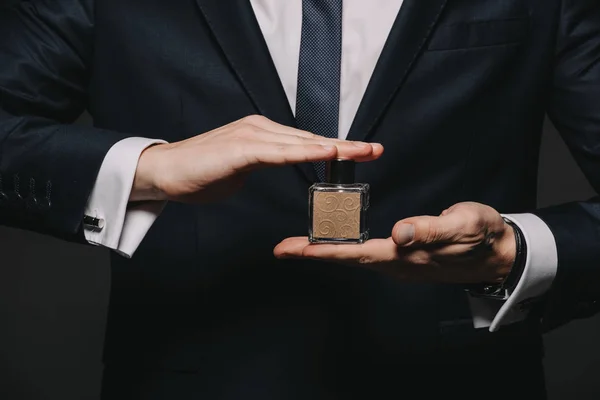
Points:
x=47 y=166
x=574 y=107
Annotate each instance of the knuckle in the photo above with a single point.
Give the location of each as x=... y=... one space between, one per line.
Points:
x=245 y=132
x=474 y=222
x=365 y=260
x=431 y=233
x=253 y=119
x=420 y=258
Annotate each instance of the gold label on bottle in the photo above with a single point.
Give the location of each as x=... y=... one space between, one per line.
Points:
x=336 y=215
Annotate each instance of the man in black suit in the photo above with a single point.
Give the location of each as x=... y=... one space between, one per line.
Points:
x=208 y=298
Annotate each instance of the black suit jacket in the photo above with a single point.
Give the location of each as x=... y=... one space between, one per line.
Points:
x=458 y=98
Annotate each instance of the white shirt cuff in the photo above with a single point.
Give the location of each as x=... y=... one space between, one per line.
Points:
x=122 y=225
x=539 y=272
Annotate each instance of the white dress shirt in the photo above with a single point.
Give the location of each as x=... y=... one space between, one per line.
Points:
x=365 y=28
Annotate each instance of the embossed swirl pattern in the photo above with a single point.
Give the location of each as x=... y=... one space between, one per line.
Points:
x=337 y=215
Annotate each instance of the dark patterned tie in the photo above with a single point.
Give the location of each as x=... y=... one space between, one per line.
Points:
x=318 y=97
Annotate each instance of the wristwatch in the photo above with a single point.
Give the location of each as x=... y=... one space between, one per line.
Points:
x=502 y=290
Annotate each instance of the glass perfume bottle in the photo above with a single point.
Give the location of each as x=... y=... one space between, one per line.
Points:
x=338 y=207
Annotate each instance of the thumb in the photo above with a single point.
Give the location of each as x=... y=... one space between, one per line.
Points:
x=424 y=230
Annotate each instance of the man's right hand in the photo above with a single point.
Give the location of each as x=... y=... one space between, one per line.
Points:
x=212 y=165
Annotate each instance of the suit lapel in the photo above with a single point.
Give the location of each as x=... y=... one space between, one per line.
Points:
x=237 y=32
x=412 y=27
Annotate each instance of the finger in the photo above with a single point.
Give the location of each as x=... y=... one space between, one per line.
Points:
x=276 y=137
x=427 y=229
x=257 y=154
x=291 y=247
x=357 y=151
x=451 y=252
x=371 y=252
x=376 y=152
x=448 y=254
x=422 y=266
x=289 y=134
x=269 y=125
x=267 y=135
x=266 y=154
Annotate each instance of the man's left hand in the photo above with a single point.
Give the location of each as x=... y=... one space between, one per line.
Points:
x=467 y=243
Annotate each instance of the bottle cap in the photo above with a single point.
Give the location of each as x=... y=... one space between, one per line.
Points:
x=340 y=171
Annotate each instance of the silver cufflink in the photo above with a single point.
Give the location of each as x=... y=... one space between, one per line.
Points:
x=93 y=223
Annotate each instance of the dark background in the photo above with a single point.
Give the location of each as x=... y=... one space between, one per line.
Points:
x=53 y=298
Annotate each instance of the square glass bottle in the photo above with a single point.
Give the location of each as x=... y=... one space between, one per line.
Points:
x=338 y=207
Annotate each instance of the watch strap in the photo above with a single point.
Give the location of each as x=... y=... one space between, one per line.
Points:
x=502 y=290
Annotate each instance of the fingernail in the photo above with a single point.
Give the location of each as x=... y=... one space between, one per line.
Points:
x=405 y=234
